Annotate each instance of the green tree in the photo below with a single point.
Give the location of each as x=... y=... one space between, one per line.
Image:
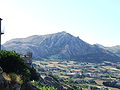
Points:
x=11 y=62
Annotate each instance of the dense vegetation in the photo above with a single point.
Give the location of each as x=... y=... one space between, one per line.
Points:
x=11 y=62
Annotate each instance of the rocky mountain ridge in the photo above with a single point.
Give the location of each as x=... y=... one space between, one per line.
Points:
x=61 y=45
x=113 y=49
x=46 y=81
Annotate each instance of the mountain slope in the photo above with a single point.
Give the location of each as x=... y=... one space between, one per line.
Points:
x=60 y=45
x=2 y=47
x=113 y=49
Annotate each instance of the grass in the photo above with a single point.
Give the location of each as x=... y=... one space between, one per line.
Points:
x=6 y=77
x=12 y=77
x=38 y=85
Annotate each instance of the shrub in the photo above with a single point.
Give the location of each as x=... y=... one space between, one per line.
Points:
x=39 y=85
x=11 y=62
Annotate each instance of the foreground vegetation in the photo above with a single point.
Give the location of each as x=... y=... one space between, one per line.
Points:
x=16 y=71
x=41 y=87
x=11 y=62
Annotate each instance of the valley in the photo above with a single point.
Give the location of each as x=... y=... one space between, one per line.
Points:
x=82 y=75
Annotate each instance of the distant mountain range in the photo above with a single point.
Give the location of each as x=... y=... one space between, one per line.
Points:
x=113 y=49
x=63 y=45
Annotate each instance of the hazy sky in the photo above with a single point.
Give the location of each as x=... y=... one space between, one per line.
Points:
x=94 y=21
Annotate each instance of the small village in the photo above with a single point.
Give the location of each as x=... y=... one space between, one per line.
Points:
x=82 y=75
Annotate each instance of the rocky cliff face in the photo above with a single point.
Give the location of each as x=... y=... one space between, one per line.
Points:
x=49 y=80
x=7 y=85
x=4 y=85
x=61 y=45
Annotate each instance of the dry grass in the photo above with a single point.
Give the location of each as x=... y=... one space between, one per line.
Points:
x=6 y=77
x=110 y=67
x=12 y=77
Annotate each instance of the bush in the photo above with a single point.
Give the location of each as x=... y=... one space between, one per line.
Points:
x=39 y=85
x=11 y=62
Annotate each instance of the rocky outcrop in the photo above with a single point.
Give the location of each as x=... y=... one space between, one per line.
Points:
x=46 y=81
x=7 y=85
x=1 y=71
x=4 y=85
x=49 y=81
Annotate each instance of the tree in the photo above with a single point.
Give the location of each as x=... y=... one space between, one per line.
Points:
x=11 y=62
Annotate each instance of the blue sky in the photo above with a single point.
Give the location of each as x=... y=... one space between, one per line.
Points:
x=94 y=21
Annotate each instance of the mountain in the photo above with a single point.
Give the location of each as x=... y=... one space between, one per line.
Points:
x=113 y=49
x=61 y=45
x=2 y=47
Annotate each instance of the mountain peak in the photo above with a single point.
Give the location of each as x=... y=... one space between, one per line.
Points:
x=63 y=32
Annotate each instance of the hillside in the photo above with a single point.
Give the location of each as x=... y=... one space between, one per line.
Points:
x=61 y=45
x=113 y=49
